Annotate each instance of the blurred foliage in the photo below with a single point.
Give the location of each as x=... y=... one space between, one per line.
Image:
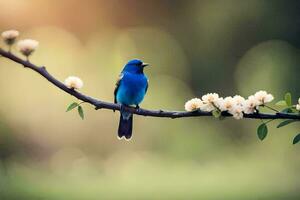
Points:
x=194 y=47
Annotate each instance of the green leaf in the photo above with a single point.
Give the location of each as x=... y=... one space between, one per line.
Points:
x=216 y=113
x=281 y=103
x=296 y=139
x=288 y=99
x=262 y=131
x=287 y=110
x=72 y=106
x=80 y=112
x=286 y=122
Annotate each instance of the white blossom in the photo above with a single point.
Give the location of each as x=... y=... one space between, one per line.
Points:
x=263 y=97
x=210 y=102
x=207 y=107
x=239 y=100
x=73 y=82
x=193 y=104
x=10 y=36
x=237 y=111
x=237 y=105
x=219 y=102
x=250 y=105
x=27 y=46
x=210 y=98
x=298 y=105
x=225 y=104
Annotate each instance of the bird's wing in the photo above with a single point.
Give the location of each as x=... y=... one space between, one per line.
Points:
x=147 y=86
x=117 y=86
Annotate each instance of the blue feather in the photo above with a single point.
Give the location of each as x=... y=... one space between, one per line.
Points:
x=131 y=91
x=132 y=88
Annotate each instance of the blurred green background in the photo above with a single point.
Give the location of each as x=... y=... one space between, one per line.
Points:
x=194 y=47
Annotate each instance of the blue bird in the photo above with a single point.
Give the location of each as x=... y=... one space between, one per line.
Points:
x=131 y=88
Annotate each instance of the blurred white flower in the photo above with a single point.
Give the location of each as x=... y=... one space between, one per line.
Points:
x=239 y=100
x=225 y=104
x=27 y=46
x=263 y=97
x=73 y=82
x=10 y=36
x=298 y=105
x=237 y=111
x=210 y=101
x=193 y=104
x=210 y=98
x=207 y=107
x=250 y=105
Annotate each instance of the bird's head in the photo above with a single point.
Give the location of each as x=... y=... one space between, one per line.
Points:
x=135 y=66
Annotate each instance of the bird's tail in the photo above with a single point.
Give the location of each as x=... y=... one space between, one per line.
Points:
x=125 y=125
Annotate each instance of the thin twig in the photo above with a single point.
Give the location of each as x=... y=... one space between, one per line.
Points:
x=271 y=108
x=143 y=112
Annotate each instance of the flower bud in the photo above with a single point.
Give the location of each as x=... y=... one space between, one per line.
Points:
x=10 y=36
x=73 y=82
x=27 y=46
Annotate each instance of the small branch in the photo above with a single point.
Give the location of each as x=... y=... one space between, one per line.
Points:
x=271 y=108
x=144 y=112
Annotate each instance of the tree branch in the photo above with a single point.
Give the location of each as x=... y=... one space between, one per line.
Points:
x=111 y=106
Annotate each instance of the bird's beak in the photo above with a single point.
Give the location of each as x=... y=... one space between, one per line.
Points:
x=145 y=64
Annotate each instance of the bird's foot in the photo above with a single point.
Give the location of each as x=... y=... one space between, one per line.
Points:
x=122 y=107
x=137 y=107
